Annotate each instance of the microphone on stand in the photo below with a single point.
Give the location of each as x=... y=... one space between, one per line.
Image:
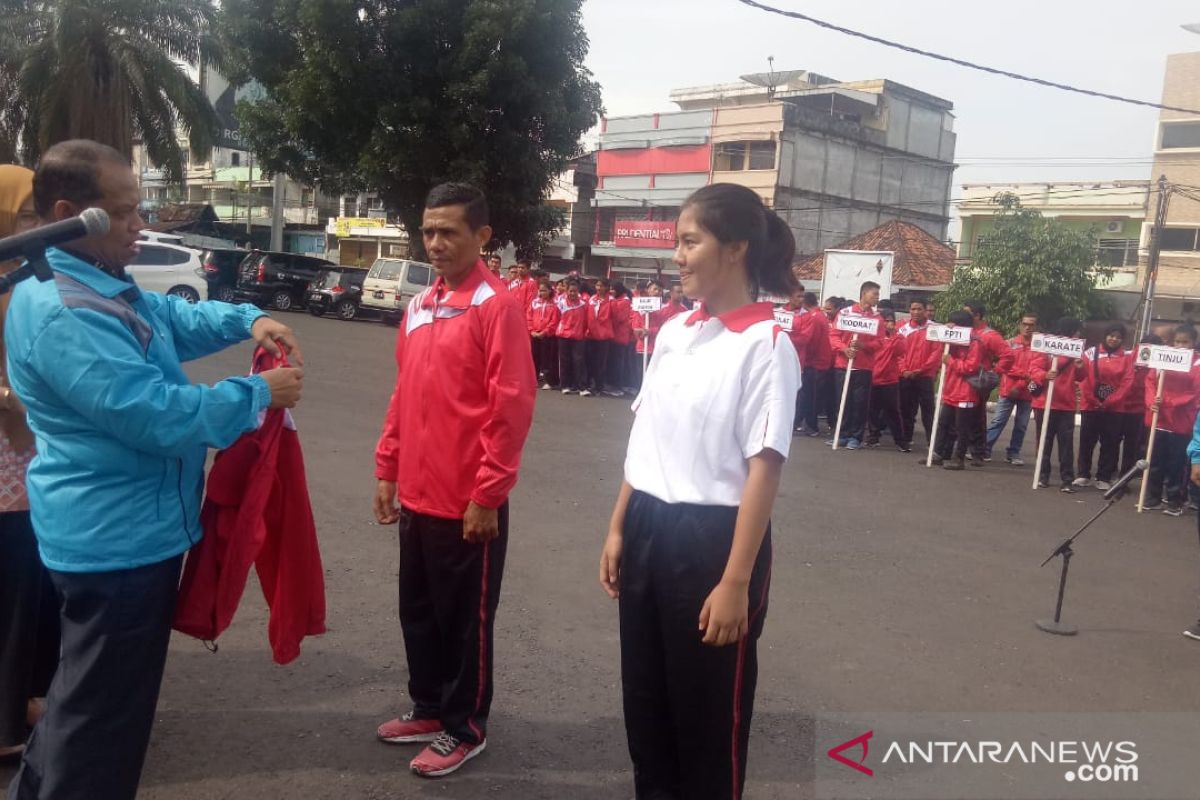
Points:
x=31 y=245
x=1118 y=488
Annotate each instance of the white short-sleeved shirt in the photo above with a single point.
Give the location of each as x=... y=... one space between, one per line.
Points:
x=719 y=391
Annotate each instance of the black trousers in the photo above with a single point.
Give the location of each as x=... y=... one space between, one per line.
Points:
x=1106 y=429
x=572 y=365
x=449 y=591
x=687 y=704
x=1062 y=433
x=815 y=391
x=1132 y=439
x=597 y=364
x=92 y=741
x=958 y=432
x=916 y=394
x=885 y=411
x=545 y=359
x=28 y=625
x=1169 y=469
x=858 y=401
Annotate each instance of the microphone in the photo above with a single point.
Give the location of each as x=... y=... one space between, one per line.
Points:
x=92 y=222
x=1118 y=488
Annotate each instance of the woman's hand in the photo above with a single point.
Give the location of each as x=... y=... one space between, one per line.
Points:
x=610 y=563
x=725 y=617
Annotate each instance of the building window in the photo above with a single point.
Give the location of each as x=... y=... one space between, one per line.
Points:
x=1117 y=253
x=1178 y=239
x=1180 y=135
x=741 y=156
x=235 y=159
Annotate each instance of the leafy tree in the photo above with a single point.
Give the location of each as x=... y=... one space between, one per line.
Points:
x=107 y=70
x=1029 y=263
x=396 y=96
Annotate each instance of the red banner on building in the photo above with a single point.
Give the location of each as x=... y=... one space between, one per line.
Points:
x=644 y=233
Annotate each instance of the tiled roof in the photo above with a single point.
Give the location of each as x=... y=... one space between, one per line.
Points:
x=920 y=259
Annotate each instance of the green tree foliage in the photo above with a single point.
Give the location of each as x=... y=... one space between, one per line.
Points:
x=396 y=96
x=1029 y=263
x=107 y=70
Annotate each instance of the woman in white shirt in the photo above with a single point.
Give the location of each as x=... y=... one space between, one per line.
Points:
x=688 y=551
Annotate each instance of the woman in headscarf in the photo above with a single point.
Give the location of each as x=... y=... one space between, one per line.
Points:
x=28 y=613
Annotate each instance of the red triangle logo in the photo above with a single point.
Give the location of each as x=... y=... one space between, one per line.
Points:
x=858 y=741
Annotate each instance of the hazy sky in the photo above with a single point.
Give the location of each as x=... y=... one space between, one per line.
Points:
x=1007 y=130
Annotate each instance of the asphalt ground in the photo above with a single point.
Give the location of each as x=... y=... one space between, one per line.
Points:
x=895 y=589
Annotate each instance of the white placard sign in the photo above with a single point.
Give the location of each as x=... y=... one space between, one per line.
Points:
x=785 y=318
x=948 y=334
x=1057 y=345
x=646 y=305
x=854 y=323
x=847 y=270
x=1171 y=359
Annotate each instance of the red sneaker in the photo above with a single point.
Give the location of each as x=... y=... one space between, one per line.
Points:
x=444 y=756
x=409 y=730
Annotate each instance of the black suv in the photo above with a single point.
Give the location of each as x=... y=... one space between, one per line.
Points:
x=277 y=279
x=338 y=290
x=221 y=272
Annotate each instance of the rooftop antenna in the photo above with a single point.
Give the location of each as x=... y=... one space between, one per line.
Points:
x=770 y=78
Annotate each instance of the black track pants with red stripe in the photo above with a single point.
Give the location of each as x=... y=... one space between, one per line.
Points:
x=449 y=591
x=687 y=704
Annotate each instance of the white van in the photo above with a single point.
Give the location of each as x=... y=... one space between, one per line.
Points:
x=391 y=283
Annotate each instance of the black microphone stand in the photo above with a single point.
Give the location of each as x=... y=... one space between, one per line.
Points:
x=35 y=266
x=1056 y=625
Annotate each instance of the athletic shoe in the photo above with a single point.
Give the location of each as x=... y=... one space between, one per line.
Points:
x=970 y=456
x=987 y=457
x=1068 y=489
x=812 y=434
x=1043 y=484
x=1152 y=505
x=1082 y=482
x=853 y=444
x=841 y=442
x=1016 y=462
x=904 y=448
x=954 y=464
x=1191 y=506
x=1103 y=486
x=409 y=730
x=444 y=756
x=586 y=393
x=978 y=462
x=614 y=393
x=568 y=391
x=1193 y=632
x=546 y=386
x=1173 y=510
x=937 y=461
x=872 y=444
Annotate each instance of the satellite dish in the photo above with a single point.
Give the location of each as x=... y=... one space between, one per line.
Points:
x=1192 y=28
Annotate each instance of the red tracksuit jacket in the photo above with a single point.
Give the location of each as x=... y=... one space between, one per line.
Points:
x=868 y=345
x=463 y=401
x=1064 y=384
x=622 y=330
x=1020 y=370
x=964 y=362
x=1116 y=370
x=573 y=319
x=257 y=512
x=1179 y=399
x=542 y=317
x=996 y=356
x=600 y=319
x=921 y=355
x=818 y=353
x=888 y=360
x=525 y=290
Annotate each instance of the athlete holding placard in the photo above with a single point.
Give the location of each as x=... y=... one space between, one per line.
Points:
x=1171 y=397
x=1056 y=369
x=856 y=340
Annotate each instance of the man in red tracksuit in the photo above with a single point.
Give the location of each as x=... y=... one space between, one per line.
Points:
x=816 y=383
x=522 y=286
x=996 y=356
x=1177 y=407
x=863 y=349
x=451 y=447
x=599 y=338
x=885 y=386
x=918 y=374
x=954 y=435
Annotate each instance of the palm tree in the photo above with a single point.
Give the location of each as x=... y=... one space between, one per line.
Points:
x=108 y=70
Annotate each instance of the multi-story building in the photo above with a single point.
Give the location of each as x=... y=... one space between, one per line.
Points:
x=1113 y=211
x=1177 y=156
x=834 y=159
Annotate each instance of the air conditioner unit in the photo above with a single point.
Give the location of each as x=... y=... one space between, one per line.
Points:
x=1114 y=227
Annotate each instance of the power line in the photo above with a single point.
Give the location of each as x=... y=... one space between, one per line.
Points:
x=962 y=63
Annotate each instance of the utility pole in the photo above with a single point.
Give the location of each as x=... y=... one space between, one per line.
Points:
x=250 y=198
x=277 y=212
x=1160 y=219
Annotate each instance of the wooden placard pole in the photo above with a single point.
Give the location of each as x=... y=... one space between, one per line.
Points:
x=1162 y=376
x=937 y=405
x=1041 y=451
x=837 y=430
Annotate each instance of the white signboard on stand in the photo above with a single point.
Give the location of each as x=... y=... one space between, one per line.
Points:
x=785 y=318
x=647 y=305
x=853 y=323
x=847 y=270
x=1057 y=345
x=1171 y=359
x=948 y=334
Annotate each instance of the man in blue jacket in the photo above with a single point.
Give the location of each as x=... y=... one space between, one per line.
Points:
x=1193 y=452
x=115 y=488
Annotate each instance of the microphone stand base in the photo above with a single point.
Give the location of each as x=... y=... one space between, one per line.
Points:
x=1057 y=628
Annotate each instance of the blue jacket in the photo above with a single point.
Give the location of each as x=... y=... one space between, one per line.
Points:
x=1193 y=449
x=122 y=434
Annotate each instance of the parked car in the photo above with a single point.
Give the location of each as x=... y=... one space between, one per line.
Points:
x=277 y=279
x=221 y=272
x=391 y=283
x=338 y=290
x=169 y=269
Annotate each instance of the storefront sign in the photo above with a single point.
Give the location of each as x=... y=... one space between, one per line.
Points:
x=644 y=233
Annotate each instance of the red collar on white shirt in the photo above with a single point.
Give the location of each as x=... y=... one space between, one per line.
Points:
x=739 y=319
